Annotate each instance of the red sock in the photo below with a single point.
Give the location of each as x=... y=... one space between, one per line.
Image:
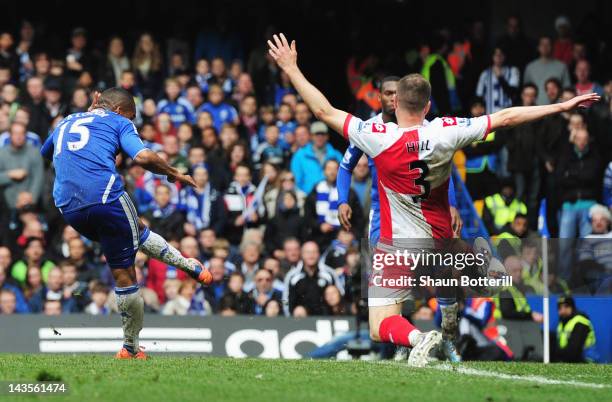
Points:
x=395 y=329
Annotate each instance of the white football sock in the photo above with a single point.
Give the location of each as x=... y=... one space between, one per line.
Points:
x=131 y=307
x=157 y=247
x=414 y=337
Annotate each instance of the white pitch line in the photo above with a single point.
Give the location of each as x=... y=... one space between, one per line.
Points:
x=504 y=376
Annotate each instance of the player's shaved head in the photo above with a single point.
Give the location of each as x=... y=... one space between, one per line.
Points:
x=389 y=78
x=118 y=100
x=413 y=93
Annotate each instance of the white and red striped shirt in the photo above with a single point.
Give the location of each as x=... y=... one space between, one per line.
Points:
x=414 y=165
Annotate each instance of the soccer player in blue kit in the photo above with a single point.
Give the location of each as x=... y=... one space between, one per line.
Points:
x=89 y=193
x=448 y=305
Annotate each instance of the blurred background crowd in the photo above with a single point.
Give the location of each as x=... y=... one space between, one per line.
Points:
x=220 y=110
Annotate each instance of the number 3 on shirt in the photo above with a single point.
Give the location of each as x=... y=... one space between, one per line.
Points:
x=75 y=128
x=420 y=181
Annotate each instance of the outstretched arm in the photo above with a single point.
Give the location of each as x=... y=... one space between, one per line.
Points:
x=285 y=56
x=152 y=162
x=515 y=116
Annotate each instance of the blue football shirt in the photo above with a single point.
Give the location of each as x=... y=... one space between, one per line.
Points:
x=83 y=148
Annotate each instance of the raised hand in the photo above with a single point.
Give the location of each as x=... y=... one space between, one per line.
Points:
x=580 y=101
x=94 y=102
x=284 y=54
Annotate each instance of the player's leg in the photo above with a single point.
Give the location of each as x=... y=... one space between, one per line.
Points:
x=131 y=307
x=157 y=247
x=117 y=231
x=388 y=325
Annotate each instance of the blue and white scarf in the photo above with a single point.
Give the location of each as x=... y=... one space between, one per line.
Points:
x=197 y=206
x=327 y=204
x=158 y=212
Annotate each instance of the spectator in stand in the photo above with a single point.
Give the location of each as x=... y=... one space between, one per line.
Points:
x=5 y=259
x=282 y=88
x=21 y=167
x=219 y=76
x=53 y=290
x=54 y=105
x=302 y=137
x=243 y=88
x=8 y=57
x=218 y=287
x=73 y=288
x=24 y=50
x=498 y=85
x=99 y=300
x=517 y=45
x=307 y=163
x=163 y=215
x=290 y=254
x=179 y=108
x=77 y=254
x=203 y=205
x=250 y=254
x=237 y=153
x=271 y=150
x=545 y=67
x=584 y=85
x=184 y=303
x=321 y=208
x=273 y=265
x=220 y=111
x=563 y=46
x=579 y=178
x=501 y=208
x=33 y=255
x=33 y=282
x=79 y=102
x=286 y=124
x=240 y=202
x=184 y=134
x=553 y=90
x=193 y=95
x=5 y=75
x=34 y=101
x=334 y=302
x=303 y=116
x=249 y=120
x=553 y=140
x=236 y=296
x=8 y=302
x=511 y=302
x=595 y=251
x=147 y=64
x=7 y=284
x=286 y=222
x=575 y=336
x=607 y=186
x=78 y=58
x=522 y=143
x=482 y=159
x=305 y=284
x=263 y=292
x=444 y=98
x=8 y=97
x=115 y=64
x=202 y=74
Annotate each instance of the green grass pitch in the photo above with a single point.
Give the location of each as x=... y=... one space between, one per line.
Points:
x=101 y=378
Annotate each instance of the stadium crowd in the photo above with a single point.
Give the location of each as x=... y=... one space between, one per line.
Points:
x=265 y=217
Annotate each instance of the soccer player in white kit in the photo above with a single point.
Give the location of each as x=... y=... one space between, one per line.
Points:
x=414 y=165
